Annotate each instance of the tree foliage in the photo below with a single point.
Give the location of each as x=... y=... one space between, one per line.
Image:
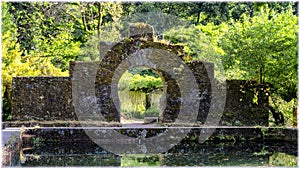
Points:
x=137 y=82
x=200 y=43
x=204 y=12
x=46 y=29
x=100 y=22
x=264 y=48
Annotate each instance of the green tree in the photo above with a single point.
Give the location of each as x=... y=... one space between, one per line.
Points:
x=46 y=29
x=200 y=43
x=264 y=48
x=95 y=14
x=14 y=64
x=100 y=21
x=137 y=82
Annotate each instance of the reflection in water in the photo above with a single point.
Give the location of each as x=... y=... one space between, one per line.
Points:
x=282 y=159
x=140 y=160
x=134 y=103
x=183 y=154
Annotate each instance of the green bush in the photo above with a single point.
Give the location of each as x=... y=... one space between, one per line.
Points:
x=152 y=111
x=137 y=82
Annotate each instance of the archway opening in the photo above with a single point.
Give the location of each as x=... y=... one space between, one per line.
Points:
x=140 y=92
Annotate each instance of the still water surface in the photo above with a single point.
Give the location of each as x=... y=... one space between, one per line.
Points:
x=184 y=154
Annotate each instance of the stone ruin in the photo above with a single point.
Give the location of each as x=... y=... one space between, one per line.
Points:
x=71 y=98
x=90 y=92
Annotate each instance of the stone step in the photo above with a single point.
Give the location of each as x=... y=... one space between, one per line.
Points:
x=150 y=120
x=78 y=134
x=31 y=160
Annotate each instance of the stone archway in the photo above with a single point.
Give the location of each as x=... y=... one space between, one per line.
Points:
x=136 y=51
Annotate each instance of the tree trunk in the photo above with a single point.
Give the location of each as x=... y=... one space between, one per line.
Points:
x=148 y=101
x=278 y=116
x=9 y=92
x=83 y=18
x=198 y=17
x=99 y=21
x=199 y=12
x=261 y=75
x=6 y=111
x=295 y=119
x=99 y=28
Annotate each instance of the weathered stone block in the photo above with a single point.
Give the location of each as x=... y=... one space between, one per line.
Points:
x=42 y=98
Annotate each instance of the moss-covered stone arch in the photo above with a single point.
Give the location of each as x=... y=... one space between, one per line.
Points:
x=104 y=82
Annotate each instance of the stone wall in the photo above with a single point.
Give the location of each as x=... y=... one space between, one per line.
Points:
x=42 y=98
x=50 y=98
x=58 y=98
x=246 y=103
x=204 y=74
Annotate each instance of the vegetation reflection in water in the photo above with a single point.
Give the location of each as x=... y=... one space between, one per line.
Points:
x=82 y=154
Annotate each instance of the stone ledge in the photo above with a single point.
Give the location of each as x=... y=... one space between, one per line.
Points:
x=59 y=123
x=149 y=120
x=236 y=133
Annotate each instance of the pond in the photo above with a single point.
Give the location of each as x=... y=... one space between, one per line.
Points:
x=184 y=154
